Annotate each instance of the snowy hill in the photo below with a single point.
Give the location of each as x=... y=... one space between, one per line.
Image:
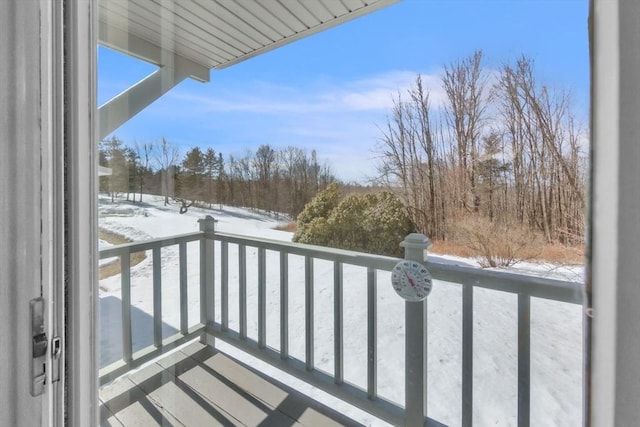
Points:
x=556 y=328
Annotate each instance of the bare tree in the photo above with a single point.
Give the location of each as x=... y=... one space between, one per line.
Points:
x=465 y=83
x=143 y=152
x=408 y=159
x=547 y=163
x=167 y=156
x=264 y=164
x=524 y=172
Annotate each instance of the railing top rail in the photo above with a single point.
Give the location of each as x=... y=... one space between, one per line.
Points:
x=119 y=250
x=380 y=262
x=540 y=287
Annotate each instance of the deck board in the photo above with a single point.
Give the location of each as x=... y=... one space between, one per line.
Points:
x=200 y=386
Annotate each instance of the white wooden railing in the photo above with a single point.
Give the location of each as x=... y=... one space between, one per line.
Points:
x=525 y=287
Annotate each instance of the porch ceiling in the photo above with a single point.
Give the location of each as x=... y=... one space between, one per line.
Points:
x=206 y=34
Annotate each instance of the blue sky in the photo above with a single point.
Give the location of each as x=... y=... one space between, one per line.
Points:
x=332 y=91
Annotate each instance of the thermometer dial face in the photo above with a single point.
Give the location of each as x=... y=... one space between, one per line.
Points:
x=411 y=280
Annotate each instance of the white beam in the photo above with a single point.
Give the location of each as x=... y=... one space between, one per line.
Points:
x=123 y=107
x=132 y=45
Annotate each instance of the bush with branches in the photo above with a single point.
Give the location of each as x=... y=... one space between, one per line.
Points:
x=320 y=206
x=373 y=223
x=497 y=244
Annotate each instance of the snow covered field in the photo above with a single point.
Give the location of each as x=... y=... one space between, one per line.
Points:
x=556 y=328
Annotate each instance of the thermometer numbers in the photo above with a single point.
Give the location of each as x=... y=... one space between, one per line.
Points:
x=411 y=280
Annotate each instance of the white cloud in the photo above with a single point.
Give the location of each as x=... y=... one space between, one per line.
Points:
x=340 y=120
x=377 y=99
x=375 y=93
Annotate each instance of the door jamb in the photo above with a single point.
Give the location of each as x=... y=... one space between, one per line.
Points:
x=81 y=211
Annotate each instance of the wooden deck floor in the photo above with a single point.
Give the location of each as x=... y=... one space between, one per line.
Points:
x=200 y=386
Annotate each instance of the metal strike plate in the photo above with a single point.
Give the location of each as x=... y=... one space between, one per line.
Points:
x=39 y=344
x=56 y=351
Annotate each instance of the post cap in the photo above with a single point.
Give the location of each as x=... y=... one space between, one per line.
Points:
x=207 y=223
x=416 y=241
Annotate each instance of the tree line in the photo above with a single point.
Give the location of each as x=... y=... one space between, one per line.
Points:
x=273 y=180
x=501 y=151
x=501 y=147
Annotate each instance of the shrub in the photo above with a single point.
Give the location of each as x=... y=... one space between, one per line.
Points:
x=320 y=206
x=496 y=244
x=374 y=223
x=315 y=232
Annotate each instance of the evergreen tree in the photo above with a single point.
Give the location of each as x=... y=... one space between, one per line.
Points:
x=133 y=171
x=220 y=181
x=114 y=152
x=374 y=223
x=210 y=171
x=191 y=176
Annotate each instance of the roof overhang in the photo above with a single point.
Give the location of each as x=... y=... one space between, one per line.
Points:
x=214 y=34
x=188 y=38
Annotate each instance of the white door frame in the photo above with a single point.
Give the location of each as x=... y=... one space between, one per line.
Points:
x=81 y=214
x=615 y=214
x=31 y=161
x=32 y=209
x=48 y=209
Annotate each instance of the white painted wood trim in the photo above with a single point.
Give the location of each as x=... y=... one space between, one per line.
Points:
x=25 y=114
x=136 y=47
x=52 y=203
x=136 y=98
x=615 y=207
x=81 y=221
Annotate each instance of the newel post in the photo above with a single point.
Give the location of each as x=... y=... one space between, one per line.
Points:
x=207 y=298
x=415 y=246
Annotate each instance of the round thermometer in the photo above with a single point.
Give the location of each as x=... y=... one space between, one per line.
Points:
x=411 y=280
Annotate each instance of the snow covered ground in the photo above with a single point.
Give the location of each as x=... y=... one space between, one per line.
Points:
x=556 y=328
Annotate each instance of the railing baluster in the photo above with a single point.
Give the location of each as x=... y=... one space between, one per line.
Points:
x=284 y=305
x=415 y=319
x=125 y=287
x=157 y=298
x=224 y=285
x=372 y=353
x=524 y=355
x=184 y=315
x=308 y=311
x=203 y=282
x=207 y=278
x=467 y=355
x=242 y=278
x=262 y=298
x=415 y=345
x=338 y=340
